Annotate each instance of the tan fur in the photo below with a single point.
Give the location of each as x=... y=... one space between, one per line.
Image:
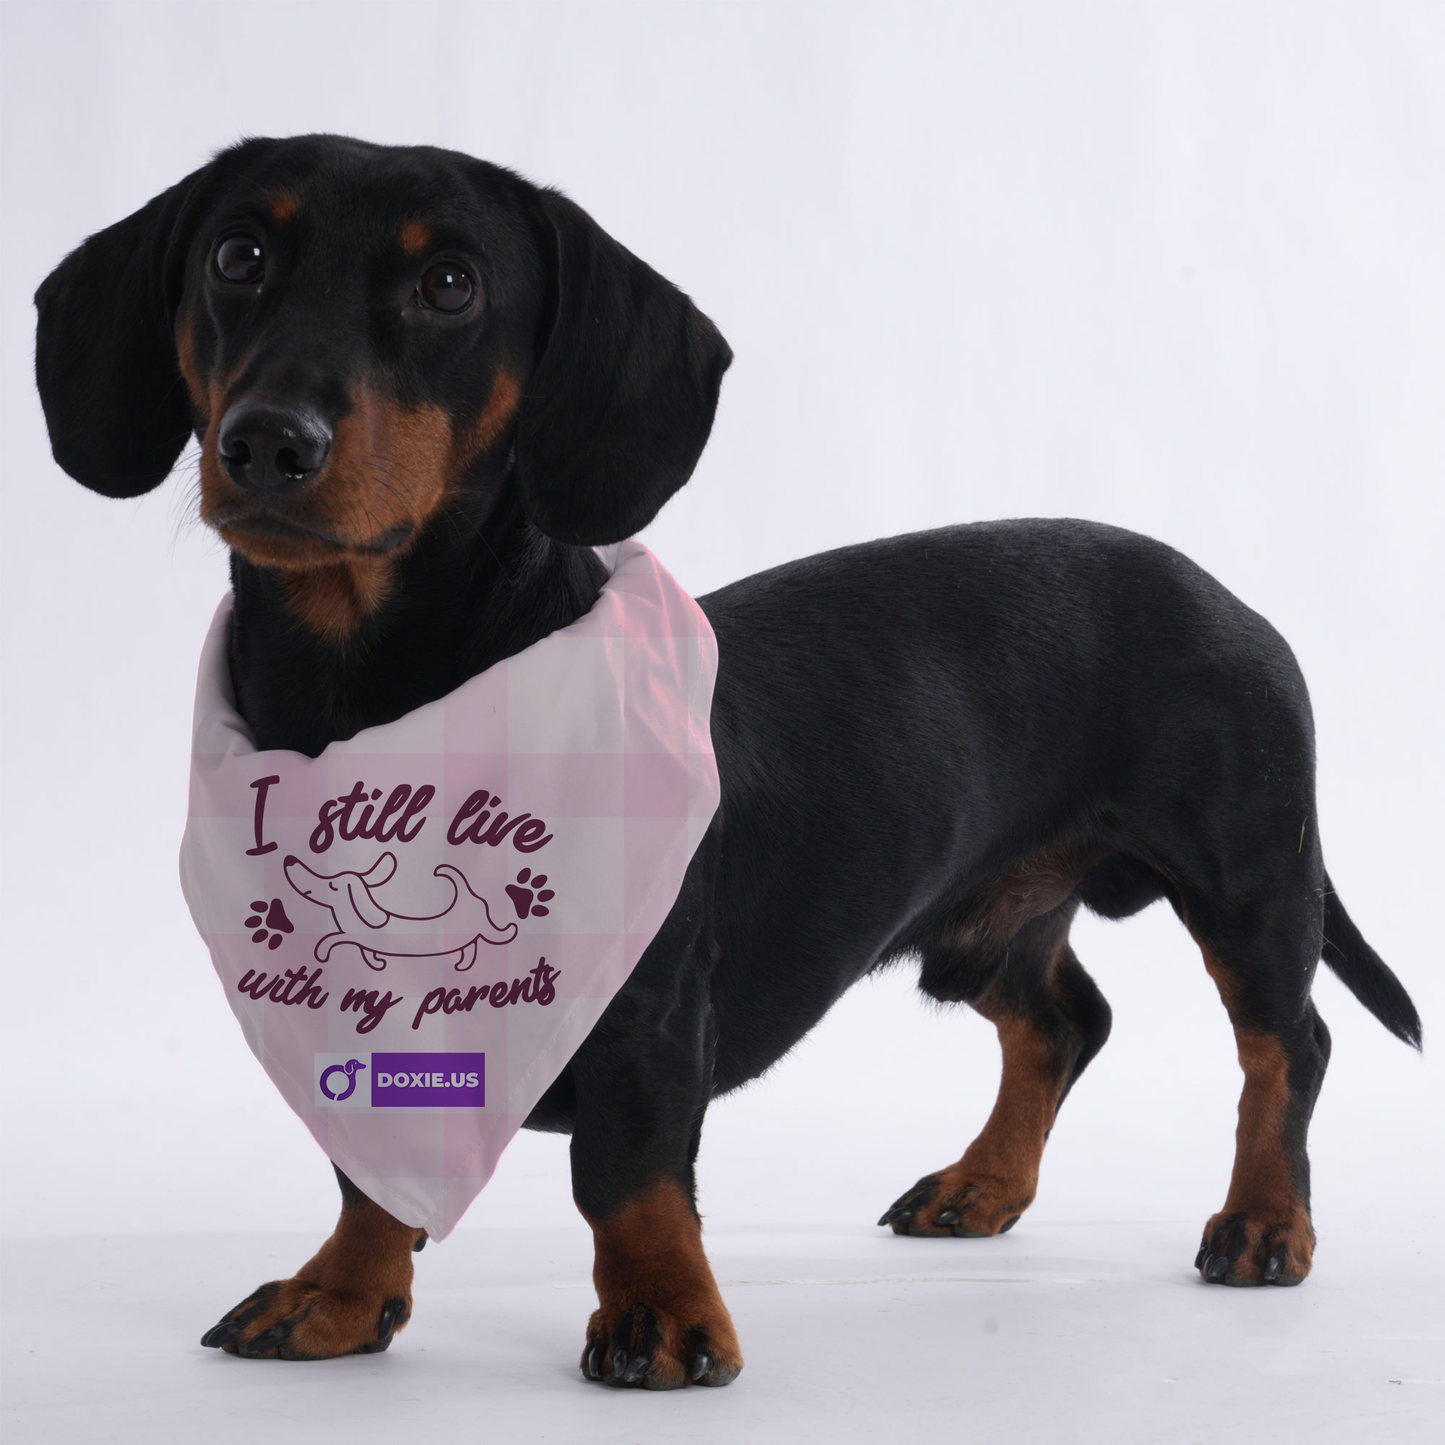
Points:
x=1224 y=981
x=390 y=466
x=284 y=206
x=336 y=1298
x=997 y=1177
x=190 y=373
x=1261 y=1177
x=492 y=421
x=650 y=1254
x=416 y=237
x=335 y=599
x=1261 y=1186
x=1033 y=886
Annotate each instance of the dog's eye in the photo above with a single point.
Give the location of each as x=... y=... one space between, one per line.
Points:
x=241 y=259
x=445 y=287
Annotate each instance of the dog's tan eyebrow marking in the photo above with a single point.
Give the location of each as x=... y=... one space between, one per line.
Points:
x=416 y=236
x=284 y=205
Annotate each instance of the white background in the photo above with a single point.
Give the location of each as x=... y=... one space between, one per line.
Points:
x=1176 y=267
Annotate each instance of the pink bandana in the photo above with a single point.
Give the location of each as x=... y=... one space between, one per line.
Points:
x=418 y=928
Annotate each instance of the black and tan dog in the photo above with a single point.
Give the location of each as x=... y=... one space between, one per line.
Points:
x=423 y=388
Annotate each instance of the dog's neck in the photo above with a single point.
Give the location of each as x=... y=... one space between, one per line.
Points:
x=468 y=594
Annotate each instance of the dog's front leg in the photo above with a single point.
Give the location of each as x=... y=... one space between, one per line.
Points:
x=643 y=1079
x=349 y=1299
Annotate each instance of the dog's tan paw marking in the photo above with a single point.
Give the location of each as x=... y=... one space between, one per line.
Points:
x=959 y=1203
x=290 y=1319
x=1240 y=1248
x=654 y=1349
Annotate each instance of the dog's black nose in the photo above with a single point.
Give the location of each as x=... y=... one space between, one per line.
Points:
x=272 y=450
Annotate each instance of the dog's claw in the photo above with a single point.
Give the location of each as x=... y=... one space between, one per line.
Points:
x=1216 y=1267
x=648 y=1350
x=947 y=1217
x=391 y=1311
x=1008 y=1224
x=267 y=1340
x=1201 y=1256
x=1273 y=1265
x=221 y=1334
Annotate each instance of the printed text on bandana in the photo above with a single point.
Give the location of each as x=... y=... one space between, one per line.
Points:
x=420 y=925
x=361 y=814
x=361 y=919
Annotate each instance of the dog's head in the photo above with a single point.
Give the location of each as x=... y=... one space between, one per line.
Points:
x=365 y=337
x=335 y=890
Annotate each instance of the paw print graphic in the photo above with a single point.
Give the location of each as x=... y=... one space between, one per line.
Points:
x=270 y=922
x=523 y=896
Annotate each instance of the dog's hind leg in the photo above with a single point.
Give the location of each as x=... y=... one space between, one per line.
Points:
x=1262 y=956
x=349 y=1299
x=1051 y=1021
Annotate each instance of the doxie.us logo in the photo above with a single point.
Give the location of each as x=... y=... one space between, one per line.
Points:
x=342 y=1081
x=400 y=1081
x=331 y=1080
x=428 y=1081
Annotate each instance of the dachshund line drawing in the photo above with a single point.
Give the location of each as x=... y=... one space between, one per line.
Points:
x=381 y=935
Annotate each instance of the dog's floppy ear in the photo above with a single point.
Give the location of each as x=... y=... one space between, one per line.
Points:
x=371 y=913
x=380 y=871
x=105 y=351
x=621 y=402
x=105 y=356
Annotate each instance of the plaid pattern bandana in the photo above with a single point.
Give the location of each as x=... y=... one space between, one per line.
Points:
x=419 y=927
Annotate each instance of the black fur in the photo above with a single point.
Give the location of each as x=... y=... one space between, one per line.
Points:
x=622 y=400
x=105 y=354
x=937 y=746
x=1364 y=972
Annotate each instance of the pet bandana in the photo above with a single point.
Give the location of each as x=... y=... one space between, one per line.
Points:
x=419 y=927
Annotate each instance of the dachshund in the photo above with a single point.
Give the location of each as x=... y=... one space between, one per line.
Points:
x=424 y=391
x=361 y=918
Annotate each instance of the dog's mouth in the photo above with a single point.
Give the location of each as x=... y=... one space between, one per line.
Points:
x=267 y=537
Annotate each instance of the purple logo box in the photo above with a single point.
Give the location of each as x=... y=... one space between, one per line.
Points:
x=428 y=1080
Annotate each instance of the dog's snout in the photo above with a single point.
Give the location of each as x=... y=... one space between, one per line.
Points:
x=271 y=450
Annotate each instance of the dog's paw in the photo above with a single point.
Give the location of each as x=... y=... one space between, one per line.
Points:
x=651 y=1349
x=290 y=1319
x=530 y=895
x=959 y=1203
x=270 y=922
x=1243 y=1249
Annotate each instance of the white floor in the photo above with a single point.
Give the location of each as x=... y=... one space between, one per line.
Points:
x=1084 y=1332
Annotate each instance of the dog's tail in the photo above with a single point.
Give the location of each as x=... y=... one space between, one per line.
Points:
x=1365 y=973
x=455 y=875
